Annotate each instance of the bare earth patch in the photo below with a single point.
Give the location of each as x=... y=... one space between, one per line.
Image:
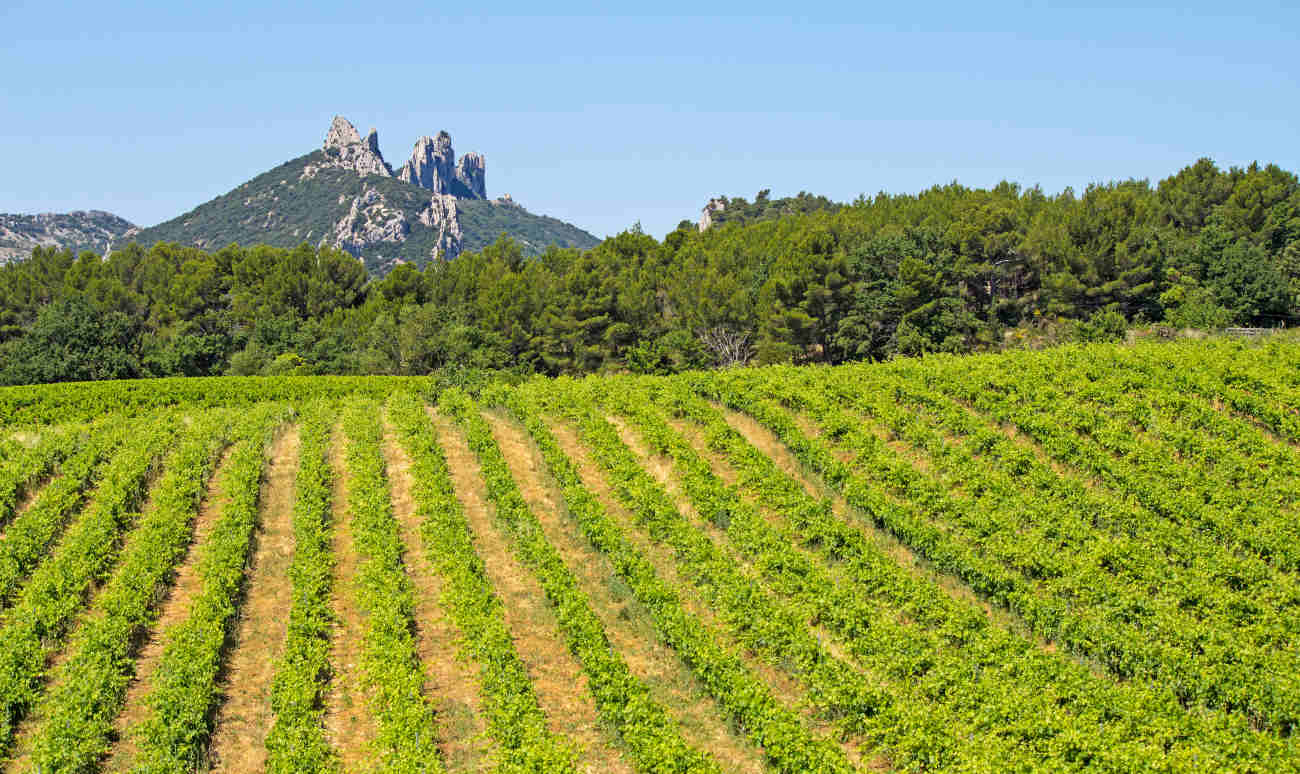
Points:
x=244 y=718
x=449 y=682
x=627 y=623
x=558 y=679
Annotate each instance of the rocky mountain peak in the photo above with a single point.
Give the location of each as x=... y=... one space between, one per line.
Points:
x=430 y=165
x=344 y=195
x=434 y=167
x=341 y=134
x=345 y=148
x=471 y=172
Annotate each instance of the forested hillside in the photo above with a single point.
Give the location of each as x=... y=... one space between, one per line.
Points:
x=951 y=269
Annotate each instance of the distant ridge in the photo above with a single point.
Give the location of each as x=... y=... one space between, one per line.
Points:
x=81 y=230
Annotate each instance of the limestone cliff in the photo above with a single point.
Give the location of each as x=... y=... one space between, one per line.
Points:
x=706 y=215
x=431 y=164
x=369 y=222
x=345 y=149
x=441 y=214
x=471 y=172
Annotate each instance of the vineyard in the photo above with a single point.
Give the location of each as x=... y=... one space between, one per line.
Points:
x=1081 y=559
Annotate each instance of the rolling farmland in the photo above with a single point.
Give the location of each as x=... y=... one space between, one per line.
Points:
x=1081 y=559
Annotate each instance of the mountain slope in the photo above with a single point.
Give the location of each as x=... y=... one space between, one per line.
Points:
x=93 y=230
x=347 y=196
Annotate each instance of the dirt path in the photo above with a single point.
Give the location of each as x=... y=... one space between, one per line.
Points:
x=627 y=624
x=244 y=718
x=174 y=609
x=449 y=682
x=348 y=723
x=557 y=677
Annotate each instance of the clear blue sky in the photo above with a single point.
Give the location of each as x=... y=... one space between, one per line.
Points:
x=147 y=109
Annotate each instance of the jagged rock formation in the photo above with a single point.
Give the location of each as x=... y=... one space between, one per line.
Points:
x=94 y=230
x=471 y=172
x=345 y=195
x=345 y=149
x=706 y=216
x=369 y=222
x=434 y=167
x=441 y=214
x=430 y=165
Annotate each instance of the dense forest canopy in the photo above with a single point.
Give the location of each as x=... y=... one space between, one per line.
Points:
x=951 y=269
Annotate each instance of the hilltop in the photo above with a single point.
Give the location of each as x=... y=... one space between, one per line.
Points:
x=345 y=195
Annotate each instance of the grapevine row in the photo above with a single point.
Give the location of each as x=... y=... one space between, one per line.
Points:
x=57 y=590
x=511 y=710
x=767 y=628
x=89 y=689
x=25 y=466
x=1016 y=680
x=1141 y=620
x=1048 y=527
x=1087 y=440
x=1249 y=494
x=296 y=741
x=406 y=738
x=650 y=733
x=1169 y=555
x=1120 y=648
x=184 y=690
x=29 y=536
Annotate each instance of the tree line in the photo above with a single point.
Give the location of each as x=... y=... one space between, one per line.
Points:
x=952 y=269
